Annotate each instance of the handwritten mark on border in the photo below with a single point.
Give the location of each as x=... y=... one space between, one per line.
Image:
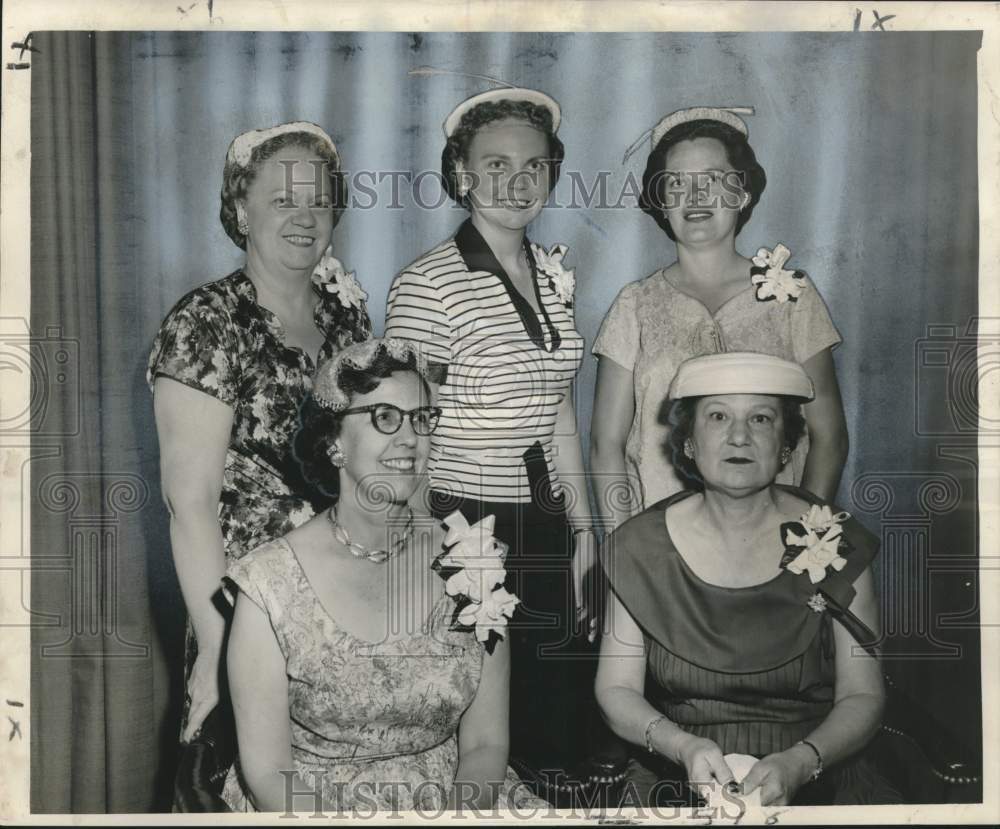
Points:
x=211 y=15
x=879 y=23
x=880 y=20
x=24 y=46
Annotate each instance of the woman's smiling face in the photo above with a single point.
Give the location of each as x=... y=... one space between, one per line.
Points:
x=507 y=173
x=702 y=192
x=382 y=467
x=289 y=211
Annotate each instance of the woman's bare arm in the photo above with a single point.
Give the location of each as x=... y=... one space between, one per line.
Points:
x=483 y=738
x=614 y=408
x=193 y=430
x=828 y=438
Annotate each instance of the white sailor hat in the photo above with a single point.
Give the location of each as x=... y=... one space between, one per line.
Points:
x=740 y=372
x=511 y=93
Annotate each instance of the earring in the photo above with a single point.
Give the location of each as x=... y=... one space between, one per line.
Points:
x=336 y=455
x=462 y=184
x=241 y=221
x=746 y=201
x=689 y=449
x=786 y=453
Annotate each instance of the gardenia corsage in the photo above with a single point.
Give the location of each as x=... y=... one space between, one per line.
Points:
x=472 y=567
x=331 y=277
x=773 y=281
x=816 y=538
x=549 y=263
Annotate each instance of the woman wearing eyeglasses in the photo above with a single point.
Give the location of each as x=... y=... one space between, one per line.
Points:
x=348 y=674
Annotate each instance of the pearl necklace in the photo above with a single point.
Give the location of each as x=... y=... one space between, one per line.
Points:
x=359 y=551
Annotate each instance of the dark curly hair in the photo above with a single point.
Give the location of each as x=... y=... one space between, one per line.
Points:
x=680 y=417
x=739 y=153
x=457 y=147
x=319 y=427
x=236 y=180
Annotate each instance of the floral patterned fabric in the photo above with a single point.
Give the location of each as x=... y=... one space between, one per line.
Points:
x=218 y=340
x=653 y=327
x=371 y=723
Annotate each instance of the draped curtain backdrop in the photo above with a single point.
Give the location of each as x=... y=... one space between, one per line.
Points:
x=869 y=142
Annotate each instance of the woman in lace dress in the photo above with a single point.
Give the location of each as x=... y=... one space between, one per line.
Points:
x=701 y=184
x=353 y=672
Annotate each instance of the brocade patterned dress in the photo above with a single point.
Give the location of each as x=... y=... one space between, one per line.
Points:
x=218 y=340
x=373 y=724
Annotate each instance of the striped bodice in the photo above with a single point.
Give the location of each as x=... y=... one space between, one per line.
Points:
x=503 y=390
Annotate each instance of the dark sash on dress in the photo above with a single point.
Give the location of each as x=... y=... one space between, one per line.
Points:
x=750 y=629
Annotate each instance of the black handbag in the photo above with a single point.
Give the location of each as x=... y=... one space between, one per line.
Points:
x=204 y=763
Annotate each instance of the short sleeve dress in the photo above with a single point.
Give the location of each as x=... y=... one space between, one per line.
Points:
x=219 y=341
x=749 y=668
x=653 y=327
x=373 y=724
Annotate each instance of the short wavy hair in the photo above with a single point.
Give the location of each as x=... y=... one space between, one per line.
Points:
x=680 y=418
x=236 y=180
x=739 y=153
x=319 y=427
x=457 y=147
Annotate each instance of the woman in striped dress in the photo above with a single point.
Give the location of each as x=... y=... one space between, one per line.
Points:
x=497 y=310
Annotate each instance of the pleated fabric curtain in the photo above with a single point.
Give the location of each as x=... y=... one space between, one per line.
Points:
x=869 y=143
x=99 y=685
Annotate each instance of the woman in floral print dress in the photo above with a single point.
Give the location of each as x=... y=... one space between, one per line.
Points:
x=229 y=367
x=701 y=184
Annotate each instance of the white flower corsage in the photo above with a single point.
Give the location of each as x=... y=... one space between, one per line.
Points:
x=773 y=281
x=549 y=263
x=472 y=567
x=330 y=276
x=491 y=614
x=814 y=542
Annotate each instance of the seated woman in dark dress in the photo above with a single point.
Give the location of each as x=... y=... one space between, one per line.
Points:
x=747 y=600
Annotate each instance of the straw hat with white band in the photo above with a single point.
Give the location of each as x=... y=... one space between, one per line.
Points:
x=243 y=145
x=730 y=116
